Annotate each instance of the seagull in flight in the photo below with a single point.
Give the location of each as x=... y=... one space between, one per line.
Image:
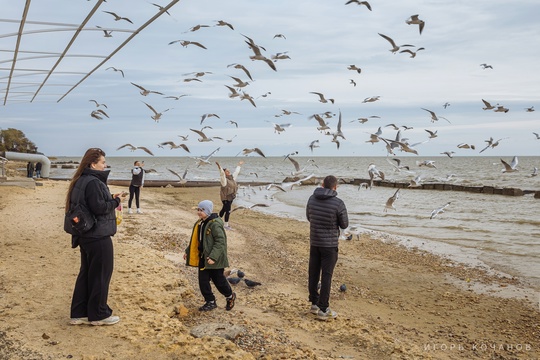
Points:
x=145 y=92
x=174 y=146
x=118 y=18
x=322 y=98
x=182 y=179
x=486 y=66
x=249 y=207
x=98 y=114
x=133 y=148
x=390 y=202
x=243 y=68
x=185 y=43
x=434 y=116
x=255 y=150
x=98 y=104
x=205 y=160
x=488 y=106
x=414 y=20
x=439 y=210
x=354 y=68
x=203 y=137
x=279 y=128
x=157 y=115
x=365 y=3
x=394 y=48
x=115 y=69
x=511 y=167
x=371 y=99
x=314 y=144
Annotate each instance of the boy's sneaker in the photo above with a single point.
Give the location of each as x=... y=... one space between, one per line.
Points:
x=79 y=321
x=230 y=302
x=326 y=315
x=227 y=227
x=111 y=320
x=209 y=305
x=139 y=211
x=129 y=211
x=314 y=309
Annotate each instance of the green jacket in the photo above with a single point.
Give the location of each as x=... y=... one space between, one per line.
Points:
x=214 y=244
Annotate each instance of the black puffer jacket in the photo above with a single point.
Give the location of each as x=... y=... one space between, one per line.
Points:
x=100 y=202
x=326 y=214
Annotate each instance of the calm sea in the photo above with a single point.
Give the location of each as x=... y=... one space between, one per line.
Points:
x=502 y=232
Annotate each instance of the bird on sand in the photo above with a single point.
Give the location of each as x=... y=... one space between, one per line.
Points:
x=251 y=283
x=353 y=230
x=439 y=210
x=133 y=148
x=182 y=179
x=233 y=280
x=390 y=202
x=118 y=18
x=511 y=167
x=414 y=20
x=394 y=48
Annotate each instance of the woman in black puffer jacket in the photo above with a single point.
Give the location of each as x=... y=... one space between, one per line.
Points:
x=89 y=187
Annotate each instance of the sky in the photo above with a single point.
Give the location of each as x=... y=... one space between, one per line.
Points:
x=321 y=40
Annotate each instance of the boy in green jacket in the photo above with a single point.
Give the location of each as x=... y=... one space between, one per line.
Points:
x=207 y=250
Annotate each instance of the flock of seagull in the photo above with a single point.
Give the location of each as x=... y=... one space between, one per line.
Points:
x=237 y=90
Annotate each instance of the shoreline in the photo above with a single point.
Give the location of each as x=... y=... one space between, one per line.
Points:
x=399 y=303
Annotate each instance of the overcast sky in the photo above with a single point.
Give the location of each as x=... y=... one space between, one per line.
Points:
x=321 y=38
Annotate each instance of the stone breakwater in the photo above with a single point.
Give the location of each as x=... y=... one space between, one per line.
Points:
x=491 y=190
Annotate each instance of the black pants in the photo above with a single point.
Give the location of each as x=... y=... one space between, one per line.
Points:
x=134 y=190
x=322 y=261
x=226 y=209
x=219 y=280
x=92 y=286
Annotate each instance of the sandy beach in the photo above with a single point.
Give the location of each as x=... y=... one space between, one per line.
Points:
x=399 y=304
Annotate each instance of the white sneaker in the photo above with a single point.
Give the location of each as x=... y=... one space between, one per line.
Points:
x=227 y=227
x=79 y=321
x=111 y=320
x=326 y=315
x=314 y=309
x=139 y=211
x=129 y=211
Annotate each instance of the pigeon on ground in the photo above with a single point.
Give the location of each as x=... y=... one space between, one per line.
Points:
x=233 y=280
x=251 y=283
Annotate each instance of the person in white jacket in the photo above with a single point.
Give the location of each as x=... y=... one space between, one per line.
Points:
x=228 y=190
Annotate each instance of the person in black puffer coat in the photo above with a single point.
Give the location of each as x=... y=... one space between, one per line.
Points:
x=326 y=214
x=89 y=187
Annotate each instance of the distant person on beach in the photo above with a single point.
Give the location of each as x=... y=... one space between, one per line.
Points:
x=137 y=182
x=30 y=169
x=326 y=214
x=228 y=190
x=38 y=169
x=207 y=250
x=89 y=187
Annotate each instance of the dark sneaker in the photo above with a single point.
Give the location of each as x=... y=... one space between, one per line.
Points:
x=314 y=309
x=326 y=315
x=230 y=302
x=208 y=306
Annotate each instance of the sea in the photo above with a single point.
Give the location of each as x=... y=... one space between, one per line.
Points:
x=497 y=232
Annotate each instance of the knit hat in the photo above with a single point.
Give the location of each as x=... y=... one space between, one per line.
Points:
x=207 y=206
